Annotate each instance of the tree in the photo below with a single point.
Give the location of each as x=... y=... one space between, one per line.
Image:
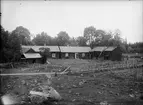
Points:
x=4 y=44
x=14 y=48
x=45 y=53
x=54 y=41
x=42 y=39
x=23 y=34
x=90 y=34
x=100 y=37
x=81 y=41
x=63 y=38
x=73 y=42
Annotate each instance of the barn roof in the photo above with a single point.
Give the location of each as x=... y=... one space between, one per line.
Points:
x=54 y=48
x=36 y=48
x=32 y=55
x=101 y=48
x=110 y=49
x=24 y=49
x=74 y=49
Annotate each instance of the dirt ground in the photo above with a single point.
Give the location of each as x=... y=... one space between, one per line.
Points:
x=82 y=85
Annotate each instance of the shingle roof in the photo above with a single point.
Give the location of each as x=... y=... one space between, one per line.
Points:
x=54 y=48
x=74 y=49
x=101 y=48
x=36 y=48
x=32 y=55
x=25 y=49
x=110 y=49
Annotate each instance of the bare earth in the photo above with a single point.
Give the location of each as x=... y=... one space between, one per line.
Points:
x=115 y=82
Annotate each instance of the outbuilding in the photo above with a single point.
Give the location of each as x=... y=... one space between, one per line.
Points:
x=113 y=53
x=107 y=53
x=31 y=56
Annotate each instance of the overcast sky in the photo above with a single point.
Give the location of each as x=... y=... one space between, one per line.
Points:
x=73 y=16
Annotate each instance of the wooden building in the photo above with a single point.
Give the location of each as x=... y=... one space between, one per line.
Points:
x=31 y=56
x=74 y=52
x=54 y=50
x=113 y=53
x=107 y=53
x=97 y=52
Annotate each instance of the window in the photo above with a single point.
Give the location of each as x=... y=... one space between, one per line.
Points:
x=53 y=55
x=67 y=55
x=83 y=54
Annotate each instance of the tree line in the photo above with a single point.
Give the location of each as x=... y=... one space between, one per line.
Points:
x=11 y=41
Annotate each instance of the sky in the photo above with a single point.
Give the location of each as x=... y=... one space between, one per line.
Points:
x=73 y=16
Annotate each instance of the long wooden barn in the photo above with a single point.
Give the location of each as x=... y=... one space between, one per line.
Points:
x=78 y=52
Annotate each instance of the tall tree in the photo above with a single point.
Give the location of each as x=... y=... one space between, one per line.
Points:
x=73 y=42
x=45 y=53
x=63 y=38
x=42 y=39
x=23 y=34
x=4 y=44
x=90 y=34
x=11 y=48
x=54 y=41
x=14 y=48
x=81 y=41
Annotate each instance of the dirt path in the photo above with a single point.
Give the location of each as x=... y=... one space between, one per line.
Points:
x=40 y=73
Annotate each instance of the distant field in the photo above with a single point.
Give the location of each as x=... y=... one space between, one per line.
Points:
x=134 y=54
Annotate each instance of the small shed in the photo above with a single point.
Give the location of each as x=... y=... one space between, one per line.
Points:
x=31 y=58
x=113 y=53
x=107 y=53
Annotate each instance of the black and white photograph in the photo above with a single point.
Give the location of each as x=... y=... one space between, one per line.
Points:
x=71 y=52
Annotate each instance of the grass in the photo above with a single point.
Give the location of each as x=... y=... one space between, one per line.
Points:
x=81 y=88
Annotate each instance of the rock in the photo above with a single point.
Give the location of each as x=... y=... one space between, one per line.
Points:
x=100 y=92
x=104 y=103
x=77 y=94
x=111 y=92
x=74 y=86
x=54 y=94
x=74 y=100
x=81 y=75
x=80 y=83
x=35 y=80
x=131 y=95
x=70 y=91
x=103 y=85
x=10 y=99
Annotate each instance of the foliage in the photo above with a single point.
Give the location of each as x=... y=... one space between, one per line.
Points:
x=136 y=47
x=11 y=41
x=73 y=42
x=10 y=50
x=90 y=34
x=63 y=38
x=23 y=34
x=81 y=41
x=42 y=39
x=45 y=53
